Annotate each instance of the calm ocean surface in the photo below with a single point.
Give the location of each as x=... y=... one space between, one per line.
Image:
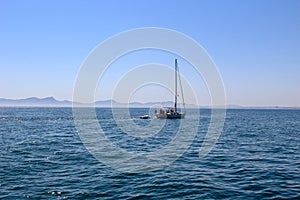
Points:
x=256 y=157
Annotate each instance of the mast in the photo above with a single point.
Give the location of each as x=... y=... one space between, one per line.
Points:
x=175 y=106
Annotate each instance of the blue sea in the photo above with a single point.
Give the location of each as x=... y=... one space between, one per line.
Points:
x=257 y=156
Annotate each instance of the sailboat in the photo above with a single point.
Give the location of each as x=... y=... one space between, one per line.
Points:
x=173 y=113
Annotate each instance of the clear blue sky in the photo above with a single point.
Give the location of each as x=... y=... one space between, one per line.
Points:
x=255 y=44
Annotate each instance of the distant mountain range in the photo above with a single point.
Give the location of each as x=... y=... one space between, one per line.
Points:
x=34 y=101
x=52 y=102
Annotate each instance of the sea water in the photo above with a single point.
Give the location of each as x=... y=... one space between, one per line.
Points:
x=256 y=157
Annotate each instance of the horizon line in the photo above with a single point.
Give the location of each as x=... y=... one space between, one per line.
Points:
x=150 y=102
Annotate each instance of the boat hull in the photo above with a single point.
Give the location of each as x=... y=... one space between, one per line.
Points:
x=170 y=116
x=144 y=117
x=175 y=116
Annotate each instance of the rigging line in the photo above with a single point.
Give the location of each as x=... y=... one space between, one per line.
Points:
x=182 y=96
